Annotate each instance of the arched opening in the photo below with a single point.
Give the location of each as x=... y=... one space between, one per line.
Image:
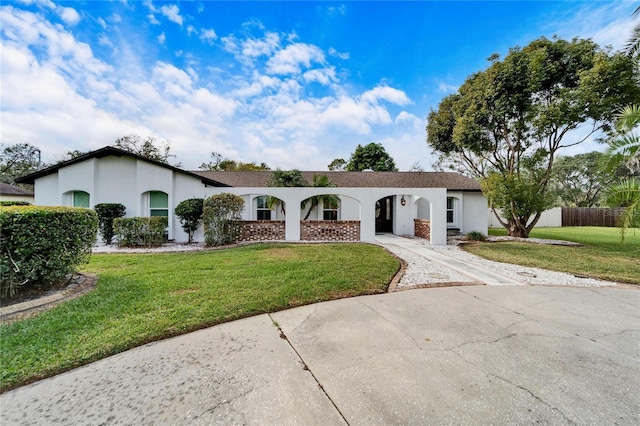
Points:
x=321 y=207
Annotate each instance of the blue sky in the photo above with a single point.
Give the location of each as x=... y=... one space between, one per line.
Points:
x=291 y=84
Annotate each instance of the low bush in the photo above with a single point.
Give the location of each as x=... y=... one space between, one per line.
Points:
x=107 y=213
x=140 y=231
x=39 y=246
x=475 y=236
x=14 y=203
x=222 y=219
x=190 y=214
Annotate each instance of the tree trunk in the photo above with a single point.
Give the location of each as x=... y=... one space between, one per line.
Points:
x=515 y=229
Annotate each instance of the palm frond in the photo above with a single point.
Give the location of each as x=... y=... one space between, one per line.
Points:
x=633 y=45
x=626 y=193
x=628 y=118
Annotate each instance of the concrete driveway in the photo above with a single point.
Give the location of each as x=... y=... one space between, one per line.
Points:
x=457 y=355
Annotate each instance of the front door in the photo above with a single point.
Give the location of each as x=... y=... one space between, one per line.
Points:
x=384 y=215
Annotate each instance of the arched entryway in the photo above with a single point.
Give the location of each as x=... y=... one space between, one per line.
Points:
x=384 y=215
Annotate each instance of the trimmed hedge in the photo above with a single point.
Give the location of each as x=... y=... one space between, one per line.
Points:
x=14 y=203
x=140 y=231
x=41 y=245
x=106 y=215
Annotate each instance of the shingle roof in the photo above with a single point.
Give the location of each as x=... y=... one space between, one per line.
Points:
x=449 y=180
x=6 y=189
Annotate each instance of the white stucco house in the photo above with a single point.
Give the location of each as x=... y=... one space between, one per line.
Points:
x=429 y=204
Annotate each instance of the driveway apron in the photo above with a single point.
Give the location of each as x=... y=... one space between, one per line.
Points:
x=458 y=355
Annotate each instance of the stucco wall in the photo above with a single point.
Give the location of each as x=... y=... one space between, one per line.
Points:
x=474 y=213
x=550 y=218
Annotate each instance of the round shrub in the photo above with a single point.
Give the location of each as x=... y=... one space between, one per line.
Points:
x=39 y=246
x=190 y=214
x=106 y=214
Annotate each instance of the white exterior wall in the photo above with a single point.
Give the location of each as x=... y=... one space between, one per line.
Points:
x=115 y=183
x=404 y=215
x=474 y=213
x=549 y=219
x=46 y=191
x=77 y=177
x=349 y=209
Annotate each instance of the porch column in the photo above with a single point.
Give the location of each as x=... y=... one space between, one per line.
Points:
x=438 y=217
x=368 y=219
x=292 y=219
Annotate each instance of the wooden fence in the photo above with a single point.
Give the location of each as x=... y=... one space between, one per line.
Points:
x=590 y=216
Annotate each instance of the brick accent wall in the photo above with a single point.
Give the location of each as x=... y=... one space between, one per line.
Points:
x=422 y=228
x=262 y=230
x=330 y=230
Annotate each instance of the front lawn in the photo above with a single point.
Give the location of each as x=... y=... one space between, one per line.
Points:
x=140 y=298
x=602 y=256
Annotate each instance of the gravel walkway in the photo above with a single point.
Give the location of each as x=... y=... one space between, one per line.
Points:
x=422 y=271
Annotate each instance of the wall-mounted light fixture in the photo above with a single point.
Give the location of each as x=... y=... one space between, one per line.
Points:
x=403 y=201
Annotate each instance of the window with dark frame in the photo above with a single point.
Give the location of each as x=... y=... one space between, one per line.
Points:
x=263 y=211
x=450 y=210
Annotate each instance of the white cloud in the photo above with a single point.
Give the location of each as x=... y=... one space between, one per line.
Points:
x=334 y=52
x=292 y=58
x=172 y=12
x=162 y=38
x=323 y=76
x=191 y=30
x=386 y=93
x=152 y=19
x=447 y=88
x=208 y=36
x=259 y=47
x=69 y=15
x=405 y=118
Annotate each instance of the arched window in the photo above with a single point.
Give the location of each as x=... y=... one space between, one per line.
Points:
x=81 y=199
x=158 y=203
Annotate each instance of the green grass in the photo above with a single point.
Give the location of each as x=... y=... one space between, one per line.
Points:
x=602 y=256
x=145 y=297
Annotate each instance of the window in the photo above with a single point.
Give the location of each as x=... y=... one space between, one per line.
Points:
x=80 y=199
x=450 y=210
x=263 y=211
x=329 y=211
x=158 y=203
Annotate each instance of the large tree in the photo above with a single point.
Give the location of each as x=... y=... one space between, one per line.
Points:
x=506 y=124
x=220 y=163
x=18 y=160
x=580 y=180
x=150 y=147
x=372 y=156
